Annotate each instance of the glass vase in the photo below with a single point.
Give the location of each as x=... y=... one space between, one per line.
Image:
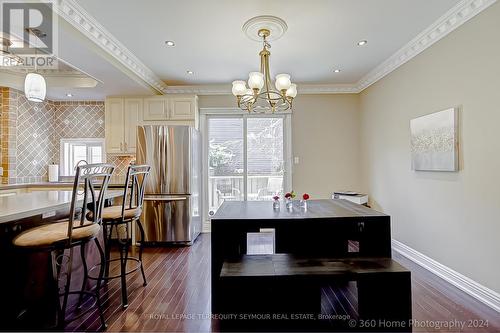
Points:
x=276 y=204
x=289 y=203
x=303 y=204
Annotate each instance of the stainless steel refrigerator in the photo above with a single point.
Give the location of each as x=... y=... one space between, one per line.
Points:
x=172 y=211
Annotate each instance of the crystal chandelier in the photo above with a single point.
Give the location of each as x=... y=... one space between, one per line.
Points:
x=261 y=95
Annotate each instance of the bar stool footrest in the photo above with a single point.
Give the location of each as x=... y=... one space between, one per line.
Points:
x=117 y=275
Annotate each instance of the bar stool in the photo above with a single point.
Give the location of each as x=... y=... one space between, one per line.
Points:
x=61 y=237
x=121 y=218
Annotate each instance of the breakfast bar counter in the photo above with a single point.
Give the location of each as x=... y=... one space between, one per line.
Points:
x=46 y=203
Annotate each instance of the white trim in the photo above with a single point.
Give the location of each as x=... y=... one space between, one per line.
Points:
x=79 y=18
x=206 y=113
x=204 y=172
x=225 y=89
x=469 y=286
x=62 y=141
x=455 y=17
x=231 y=111
x=288 y=153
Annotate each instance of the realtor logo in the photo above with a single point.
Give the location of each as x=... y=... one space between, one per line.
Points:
x=29 y=31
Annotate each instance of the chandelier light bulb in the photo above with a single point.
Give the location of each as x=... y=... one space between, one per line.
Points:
x=292 y=91
x=256 y=80
x=248 y=95
x=35 y=88
x=282 y=82
x=239 y=88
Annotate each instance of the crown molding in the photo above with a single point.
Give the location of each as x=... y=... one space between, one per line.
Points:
x=81 y=20
x=225 y=89
x=455 y=17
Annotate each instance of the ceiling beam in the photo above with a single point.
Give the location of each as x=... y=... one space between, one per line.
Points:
x=79 y=18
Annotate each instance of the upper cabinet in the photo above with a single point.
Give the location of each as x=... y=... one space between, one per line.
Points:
x=123 y=114
x=155 y=108
x=120 y=122
x=114 y=125
x=132 y=117
x=183 y=108
x=170 y=108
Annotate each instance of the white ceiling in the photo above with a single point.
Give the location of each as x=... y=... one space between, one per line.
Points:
x=83 y=55
x=321 y=36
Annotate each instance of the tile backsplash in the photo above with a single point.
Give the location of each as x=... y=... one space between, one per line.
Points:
x=30 y=134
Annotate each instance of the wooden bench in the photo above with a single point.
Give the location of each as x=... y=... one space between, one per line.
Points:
x=282 y=291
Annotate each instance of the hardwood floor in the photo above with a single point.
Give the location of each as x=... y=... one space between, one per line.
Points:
x=177 y=298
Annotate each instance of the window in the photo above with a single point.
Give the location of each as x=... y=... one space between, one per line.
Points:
x=75 y=150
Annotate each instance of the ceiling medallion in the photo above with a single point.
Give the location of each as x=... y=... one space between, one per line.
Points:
x=262 y=95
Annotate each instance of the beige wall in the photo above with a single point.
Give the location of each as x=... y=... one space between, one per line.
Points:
x=451 y=217
x=325 y=137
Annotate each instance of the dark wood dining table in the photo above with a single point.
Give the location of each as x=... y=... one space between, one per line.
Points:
x=323 y=230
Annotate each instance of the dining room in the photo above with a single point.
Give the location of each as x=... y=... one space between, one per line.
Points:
x=268 y=166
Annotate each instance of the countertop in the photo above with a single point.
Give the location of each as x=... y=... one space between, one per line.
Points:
x=114 y=183
x=316 y=209
x=24 y=205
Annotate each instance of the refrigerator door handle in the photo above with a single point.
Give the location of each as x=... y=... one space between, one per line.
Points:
x=163 y=198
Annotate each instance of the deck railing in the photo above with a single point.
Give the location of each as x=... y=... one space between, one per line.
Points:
x=260 y=187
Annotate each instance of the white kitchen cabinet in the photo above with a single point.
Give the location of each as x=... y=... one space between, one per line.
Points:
x=133 y=114
x=123 y=115
x=183 y=108
x=121 y=119
x=114 y=125
x=156 y=108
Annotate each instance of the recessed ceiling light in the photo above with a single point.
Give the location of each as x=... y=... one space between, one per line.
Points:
x=362 y=42
x=190 y=72
x=69 y=95
x=170 y=43
x=336 y=70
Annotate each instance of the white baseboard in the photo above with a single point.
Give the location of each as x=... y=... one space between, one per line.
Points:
x=469 y=286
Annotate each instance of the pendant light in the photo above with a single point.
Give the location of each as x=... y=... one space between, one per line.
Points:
x=35 y=87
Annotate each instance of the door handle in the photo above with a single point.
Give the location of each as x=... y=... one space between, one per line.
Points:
x=165 y=198
x=121 y=146
x=126 y=146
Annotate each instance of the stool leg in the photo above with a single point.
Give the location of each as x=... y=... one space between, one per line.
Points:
x=123 y=265
x=67 y=285
x=85 y=274
x=55 y=280
x=98 y=285
x=107 y=232
x=141 y=229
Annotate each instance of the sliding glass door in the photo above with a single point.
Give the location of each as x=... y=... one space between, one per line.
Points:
x=247 y=158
